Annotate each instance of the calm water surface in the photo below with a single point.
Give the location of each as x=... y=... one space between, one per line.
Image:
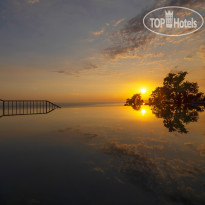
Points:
x=103 y=155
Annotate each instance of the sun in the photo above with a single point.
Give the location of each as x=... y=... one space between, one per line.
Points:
x=143 y=90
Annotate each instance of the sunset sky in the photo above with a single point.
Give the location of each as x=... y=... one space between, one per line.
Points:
x=91 y=50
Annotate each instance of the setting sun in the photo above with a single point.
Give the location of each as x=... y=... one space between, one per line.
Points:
x=143 y=90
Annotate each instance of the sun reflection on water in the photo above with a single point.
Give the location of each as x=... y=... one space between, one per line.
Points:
x=143 y=111
x=140 y=113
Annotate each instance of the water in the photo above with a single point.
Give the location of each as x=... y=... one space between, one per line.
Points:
x=103 y=155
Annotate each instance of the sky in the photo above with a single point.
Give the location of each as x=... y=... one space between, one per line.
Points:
x=91 y=50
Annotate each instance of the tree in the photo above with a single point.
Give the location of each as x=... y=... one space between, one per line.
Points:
x=135 y=100
x=176 y=91
x=158 y=96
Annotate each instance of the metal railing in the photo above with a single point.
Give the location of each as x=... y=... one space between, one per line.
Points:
x=26 y=107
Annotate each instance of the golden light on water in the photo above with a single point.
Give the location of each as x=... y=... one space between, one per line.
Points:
x=143 y=111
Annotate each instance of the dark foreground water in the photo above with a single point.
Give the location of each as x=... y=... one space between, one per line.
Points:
x=103 y=155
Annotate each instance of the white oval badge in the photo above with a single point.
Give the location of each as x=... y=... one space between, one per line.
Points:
x=173 y=21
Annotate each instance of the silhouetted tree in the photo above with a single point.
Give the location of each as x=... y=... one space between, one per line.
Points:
x=135 y=100
x=158 y=96
x=176 y=91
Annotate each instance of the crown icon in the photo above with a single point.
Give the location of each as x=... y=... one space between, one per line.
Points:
x=169 y=18
x=169 y=13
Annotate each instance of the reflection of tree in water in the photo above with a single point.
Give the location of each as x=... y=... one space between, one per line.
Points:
x=175 y=117
x=136 y=107
x=172 y=182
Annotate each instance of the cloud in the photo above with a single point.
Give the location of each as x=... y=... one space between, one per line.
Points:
x=90 y=136
x=189 y=57
x=60 y=71
x=201 y=149
x=128 y=39
x=118 y=22
x=98 y=169
x=134 y=36
x=189 y=144
x=90 y=66
x=175 y=69
x=118 y=180
x=167 y=178
x=201 y=51
x=76 y=73
x=190 y=3
x=97 y=33
x=33 y=1
x=160 y=54
x=152 y=55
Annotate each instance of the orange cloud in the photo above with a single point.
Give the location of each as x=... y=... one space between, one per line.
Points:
x=201 y=51
x=189 y=57
x=97 y=33
x=118 y=22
